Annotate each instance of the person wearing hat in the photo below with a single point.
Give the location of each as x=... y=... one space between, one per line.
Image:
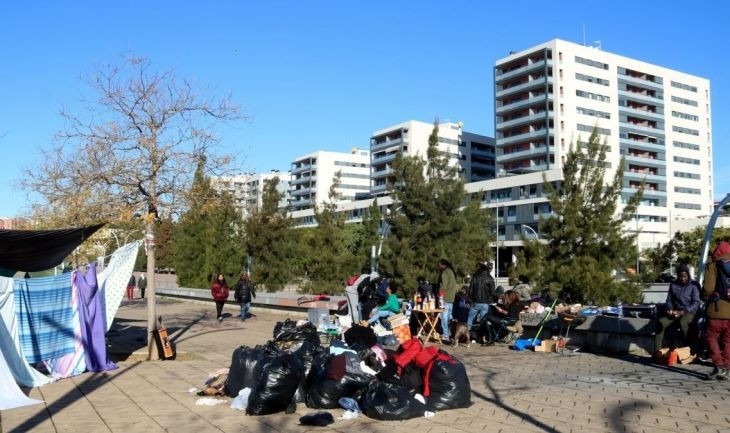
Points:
x=391 y=306
x=683 y=300
x=716 y=287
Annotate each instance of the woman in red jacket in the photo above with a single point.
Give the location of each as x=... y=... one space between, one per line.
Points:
x=219 y=290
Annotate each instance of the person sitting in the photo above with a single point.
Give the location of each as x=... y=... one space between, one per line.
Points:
x=390 y=308
x=683 y=300
x=523 y=289
x=507 y=313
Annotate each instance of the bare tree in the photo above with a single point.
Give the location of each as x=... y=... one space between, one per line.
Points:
x=131 y=151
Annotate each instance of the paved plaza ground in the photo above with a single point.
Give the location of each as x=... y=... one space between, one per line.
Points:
x=511 y=391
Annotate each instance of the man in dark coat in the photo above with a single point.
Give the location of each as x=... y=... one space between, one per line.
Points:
x=683 y=300
x=481 y=293
x=243 y=292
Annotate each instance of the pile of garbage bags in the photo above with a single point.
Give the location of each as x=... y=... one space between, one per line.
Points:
x=294 y=367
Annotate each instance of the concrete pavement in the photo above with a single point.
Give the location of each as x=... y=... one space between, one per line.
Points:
x=511 y=391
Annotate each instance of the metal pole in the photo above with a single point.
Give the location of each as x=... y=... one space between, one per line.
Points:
x=496 y=257
x=708 y=237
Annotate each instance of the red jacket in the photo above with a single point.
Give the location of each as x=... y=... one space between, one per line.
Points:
x=220 y=293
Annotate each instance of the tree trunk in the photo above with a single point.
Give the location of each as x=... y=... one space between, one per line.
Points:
x=152 y=353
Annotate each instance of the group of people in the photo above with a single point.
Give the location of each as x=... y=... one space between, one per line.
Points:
x=140 y=283
x=684 y=301
x=243 y=293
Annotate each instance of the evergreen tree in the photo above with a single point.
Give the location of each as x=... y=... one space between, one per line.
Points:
x=587 y=246
x=208 y=237
x=269 y=240
x=431 y=218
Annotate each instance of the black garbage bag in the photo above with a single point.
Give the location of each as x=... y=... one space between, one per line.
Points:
x=449 y=386
x=284 y=326
x=333 y=377
x=246 y=366
x=390 y=402
x=306 y=332
x=275 y=389
x=360 y=335
x=306 y=354
x=410 y=377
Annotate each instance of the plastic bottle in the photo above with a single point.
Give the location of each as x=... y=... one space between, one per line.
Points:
x=620 y=309
x=441 y=300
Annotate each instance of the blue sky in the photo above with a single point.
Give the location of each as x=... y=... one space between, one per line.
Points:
x=325 y=74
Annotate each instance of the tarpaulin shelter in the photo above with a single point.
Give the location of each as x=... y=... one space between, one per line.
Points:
x=37 y=250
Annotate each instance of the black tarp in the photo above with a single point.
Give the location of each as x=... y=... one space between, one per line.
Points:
x=37 y=250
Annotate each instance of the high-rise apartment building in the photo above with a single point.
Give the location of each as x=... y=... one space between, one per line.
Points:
x=472 y=153
x=247 y=189
x=312 y=176
x=551 y=96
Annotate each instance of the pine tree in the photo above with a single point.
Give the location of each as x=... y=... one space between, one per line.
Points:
x=587 y=244
x=208 y=237
x=269 y=240
x=431 y=218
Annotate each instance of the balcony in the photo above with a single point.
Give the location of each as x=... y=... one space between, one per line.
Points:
x=647 y=192
x=641 y=113
x=525 y=103
x=644 y=145
x=643 y=175
x=301 y=203
x=531 y=84
x=482 y=152
x=301 y=180
x=519 y=71
x=303 y=168
x=640 y=129
x=654 y=162
x=386 y=144
x=529 y=153
x=385 y=158
x=523 y=137
x=641 y=97
x=381 y=173
x=641 y=82
x=523 y=120
x=300 y=192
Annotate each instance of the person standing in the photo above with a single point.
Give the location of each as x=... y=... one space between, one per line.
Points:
x=242 y=293
x=447 y=285
x=481 y=293
x=142 y=285
x=683 y=300
x=130 y=288
x=716 y=287
x=219 y=290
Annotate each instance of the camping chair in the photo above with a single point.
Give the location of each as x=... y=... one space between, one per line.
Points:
x=504 y=333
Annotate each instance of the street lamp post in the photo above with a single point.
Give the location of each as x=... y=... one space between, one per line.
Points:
x=500 y=173
x=537 y=238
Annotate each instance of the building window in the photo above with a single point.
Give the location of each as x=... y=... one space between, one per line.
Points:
x=590 y=62
x=591 y=79
x=686 y=160
x=684 y=86
x=693 y=206
x=686 y=130
x=595 y=113
x=686 y=175
x=593 y=96
x=684 y=145
x=588 y=128
x=684 y=101
x=685 y=116
x=685 y=190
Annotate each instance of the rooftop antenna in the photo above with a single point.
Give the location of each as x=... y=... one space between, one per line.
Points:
x=597 y=44
x=584 y=35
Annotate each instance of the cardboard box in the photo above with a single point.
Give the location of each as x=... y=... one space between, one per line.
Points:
x=684 y=355
x=398 y=320
x=547 y=346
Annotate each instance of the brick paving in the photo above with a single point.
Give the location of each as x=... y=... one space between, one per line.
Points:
x=530 y=392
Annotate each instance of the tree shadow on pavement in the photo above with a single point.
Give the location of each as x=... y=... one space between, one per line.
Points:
x=91 y=383
x=496 y=399
x=620 y=412
x=647 y=362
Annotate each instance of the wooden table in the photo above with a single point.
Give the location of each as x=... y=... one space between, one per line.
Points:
x=427 y=320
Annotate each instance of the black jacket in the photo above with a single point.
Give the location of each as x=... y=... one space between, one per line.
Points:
x=481 y=289
x=243 y=291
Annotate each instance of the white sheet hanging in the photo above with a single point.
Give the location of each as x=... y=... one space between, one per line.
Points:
x=10 y=340
x=10 y=395
x=114 y=278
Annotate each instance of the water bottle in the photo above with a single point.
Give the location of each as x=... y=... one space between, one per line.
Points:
x=620 y=309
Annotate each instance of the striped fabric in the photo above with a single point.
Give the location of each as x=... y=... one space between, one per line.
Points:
x=45 y=317
x=74 y=363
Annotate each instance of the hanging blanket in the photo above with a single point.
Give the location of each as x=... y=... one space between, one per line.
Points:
x=72 y=364
x=10 y=340
x=93 y=326
x=114 y=278
x=45 y=317
x=10 y=395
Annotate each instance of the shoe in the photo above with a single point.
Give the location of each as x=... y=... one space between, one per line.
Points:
x=220 y=319
x=724 y=374
x=716 y=371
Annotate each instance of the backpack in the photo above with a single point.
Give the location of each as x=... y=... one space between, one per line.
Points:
x=722 y=285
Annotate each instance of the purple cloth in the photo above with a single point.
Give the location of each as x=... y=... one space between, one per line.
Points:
x=93 y=325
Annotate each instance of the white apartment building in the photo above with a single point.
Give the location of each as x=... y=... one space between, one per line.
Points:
x=472 y=153
x=550 y=97
x=312 y=176
x=247 y=189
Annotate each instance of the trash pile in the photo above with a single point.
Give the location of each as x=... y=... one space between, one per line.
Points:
x=357 y=375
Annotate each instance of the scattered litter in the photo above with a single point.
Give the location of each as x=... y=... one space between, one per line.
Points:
x=193 y=390
x=366 y=369
x=318 y=418
x=241 y=400
x=428 y=414
x=349 y=414
x=209 y=401
x=420 y=398
x=334 y=350
x=349 y=404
